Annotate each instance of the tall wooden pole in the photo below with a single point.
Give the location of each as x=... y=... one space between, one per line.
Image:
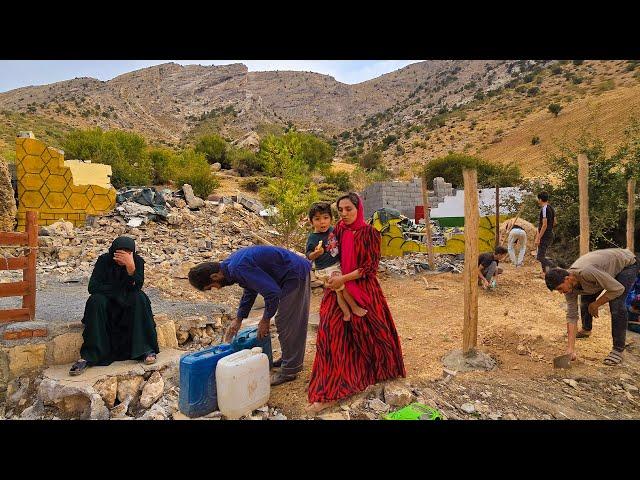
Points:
x=583 y=191
x=427 y=222
x=497 y=215
x=470 y=272
x=631 y=213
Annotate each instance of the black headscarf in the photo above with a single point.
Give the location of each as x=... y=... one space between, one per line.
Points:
x=112 y=279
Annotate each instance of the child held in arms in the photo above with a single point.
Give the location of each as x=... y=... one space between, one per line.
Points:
x=322 y=249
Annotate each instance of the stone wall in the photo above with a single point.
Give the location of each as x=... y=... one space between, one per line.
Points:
x=46 y=184
x=7 y=199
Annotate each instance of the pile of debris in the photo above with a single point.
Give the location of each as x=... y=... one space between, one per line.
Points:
x=414 y=263
x=171 y=237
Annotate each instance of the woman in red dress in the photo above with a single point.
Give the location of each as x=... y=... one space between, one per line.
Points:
x=352 y=355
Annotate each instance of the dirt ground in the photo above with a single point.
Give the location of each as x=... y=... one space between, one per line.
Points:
x=522 y=325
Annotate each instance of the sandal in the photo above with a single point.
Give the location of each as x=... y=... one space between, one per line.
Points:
x=583 y=333
x=614 y=358
x=150 y=358
x=78 y=367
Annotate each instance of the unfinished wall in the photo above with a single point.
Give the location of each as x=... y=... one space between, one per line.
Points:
x=47 y=184
x=7 y=199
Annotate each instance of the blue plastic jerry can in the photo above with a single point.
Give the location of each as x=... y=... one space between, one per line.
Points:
x=198 y=394
x=248 y=338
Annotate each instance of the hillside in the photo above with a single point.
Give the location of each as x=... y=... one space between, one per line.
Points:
x=422 y=111
x=596 y=96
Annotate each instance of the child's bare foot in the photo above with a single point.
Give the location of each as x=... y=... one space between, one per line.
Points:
x=359 y=311
x=347 y=317
x=317 y=407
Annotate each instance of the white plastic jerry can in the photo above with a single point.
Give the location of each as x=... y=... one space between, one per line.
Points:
x=242 y=381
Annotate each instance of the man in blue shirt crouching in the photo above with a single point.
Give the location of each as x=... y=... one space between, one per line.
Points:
x=283 y=279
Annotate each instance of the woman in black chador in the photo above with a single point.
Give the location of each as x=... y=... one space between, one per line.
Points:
x=118 y=323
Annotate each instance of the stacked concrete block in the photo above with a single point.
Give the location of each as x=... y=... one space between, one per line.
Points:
x=402 y=196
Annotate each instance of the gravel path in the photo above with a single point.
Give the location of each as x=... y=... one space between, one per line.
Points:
x=64 y=302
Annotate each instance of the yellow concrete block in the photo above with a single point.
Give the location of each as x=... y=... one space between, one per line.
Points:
x=78 y=201
x=56 y=183
x=46 y=216
x=73 y=216
x=79 y=188
x=20 y=153
x=22 y=214
x=101 y=203
x=56 y=167
x=44 y=174
x=32 y=164
x=32 y=199
x=90 y=173
x=20 y=171
x=55 y=200
x=46 y=155
x=32 y=181
x=33 y=147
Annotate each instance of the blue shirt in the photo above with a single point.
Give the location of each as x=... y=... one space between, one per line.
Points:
x=272 y=272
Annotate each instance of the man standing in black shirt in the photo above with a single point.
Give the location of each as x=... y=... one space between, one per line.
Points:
x=544 y=238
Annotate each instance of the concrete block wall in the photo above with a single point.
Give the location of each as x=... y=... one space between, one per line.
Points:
x=48 y=185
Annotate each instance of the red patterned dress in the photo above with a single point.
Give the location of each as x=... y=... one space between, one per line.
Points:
x=350 y=356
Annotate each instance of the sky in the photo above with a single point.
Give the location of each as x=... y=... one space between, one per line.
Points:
x=23 y=73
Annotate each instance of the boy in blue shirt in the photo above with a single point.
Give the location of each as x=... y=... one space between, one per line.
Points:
x=322 y=250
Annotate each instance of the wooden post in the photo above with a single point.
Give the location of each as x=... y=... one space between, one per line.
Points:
x=470 y=273
x=497 y=215
x=583 y=192
x=631 y=213
x=427 y=222
x=29 y=273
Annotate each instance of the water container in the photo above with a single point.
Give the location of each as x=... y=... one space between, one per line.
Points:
x=198 y=394
x=248 y=338
x=243 y=382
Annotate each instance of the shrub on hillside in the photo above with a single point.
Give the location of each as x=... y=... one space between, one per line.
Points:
x=535 y=140
x=370 y=160
x=126 y=152
x=533 y=91
x=161 y=161
x=450 y=168
x=555 y=108
x=341 y=180
x=214 y=148
x=193 y=168
x=245 y=162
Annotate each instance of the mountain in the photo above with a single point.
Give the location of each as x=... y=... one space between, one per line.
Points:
x=486 y=107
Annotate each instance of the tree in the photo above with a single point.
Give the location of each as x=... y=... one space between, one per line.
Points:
x=214 y=148
x=489 y=174
x=289 y=188
x=555 y=108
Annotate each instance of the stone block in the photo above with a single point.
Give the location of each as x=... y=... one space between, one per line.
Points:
x=166 y=332
x=65 y=348
x=25 y=358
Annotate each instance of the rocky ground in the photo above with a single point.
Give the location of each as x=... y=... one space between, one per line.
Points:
x=521 y=326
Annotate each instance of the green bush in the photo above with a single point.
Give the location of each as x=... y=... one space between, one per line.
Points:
x=555 y=108
x=535 y=140
x=161 y=161
x=533 y=91
x=245 y=162
x=126 y=152
x=193 y=168
x=557 y=70
x=450 y=168
x=370 y=160
x=214 y=148
x=578 y=62
x=341 y=180
x=388 y=140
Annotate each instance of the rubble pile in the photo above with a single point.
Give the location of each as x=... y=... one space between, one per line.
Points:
x=413 y=263
x=170 y=237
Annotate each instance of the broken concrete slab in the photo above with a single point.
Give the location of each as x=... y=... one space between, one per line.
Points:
x=166 y=358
